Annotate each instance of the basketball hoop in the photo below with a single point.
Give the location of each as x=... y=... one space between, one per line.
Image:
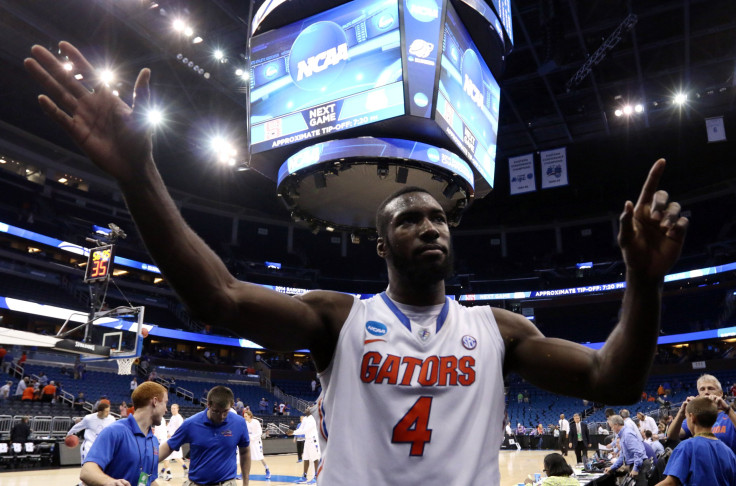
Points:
x=125 y=366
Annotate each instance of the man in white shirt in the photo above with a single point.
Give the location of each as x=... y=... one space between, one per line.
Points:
x=92 y=425
x=5 y=391
x=174 y=423
x=133 y=384
x=646 y=423
x=22 y=385
x=564 y=430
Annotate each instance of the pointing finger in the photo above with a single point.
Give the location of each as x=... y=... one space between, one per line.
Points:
x=652 y=182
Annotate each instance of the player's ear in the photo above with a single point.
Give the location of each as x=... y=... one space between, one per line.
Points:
x=381 y=246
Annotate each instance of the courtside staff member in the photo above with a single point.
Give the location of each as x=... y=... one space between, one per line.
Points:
x=126 y=452
x=213 y=436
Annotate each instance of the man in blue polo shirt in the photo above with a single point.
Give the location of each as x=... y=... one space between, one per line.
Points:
x=126 y=452
x=213 y=436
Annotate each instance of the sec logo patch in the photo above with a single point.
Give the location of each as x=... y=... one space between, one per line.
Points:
x=469 y=342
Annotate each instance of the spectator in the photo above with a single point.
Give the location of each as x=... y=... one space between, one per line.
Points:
x=43 y=380
x=48 y=393
x=22 y=385
x=22 y=359
x=275 y=409
x=21 y=431
x=123 y=409
x=654 y=442
x=79 y=401
x=5 y=391
x=239 y=407
x=28 y=394
x=133 y=384
x=7 y=361
x=282 y=407
x=558 y=472
x=314 y=386
x=263 y=406
x=703 y=459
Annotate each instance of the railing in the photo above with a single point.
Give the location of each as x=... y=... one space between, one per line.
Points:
x=66 y=397
x=183 y=392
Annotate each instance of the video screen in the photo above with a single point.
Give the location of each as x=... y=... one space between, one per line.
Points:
x=329 y=72
x=468 y=98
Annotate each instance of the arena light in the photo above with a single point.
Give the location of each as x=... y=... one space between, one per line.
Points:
x=680 y=99
x=178 y=25
x=628 y=110
x=68 y=66
x=639 y=108
x=107 y=76
x=188 y=31
x=197 y=40
x=218 y=54
x=155 y=116
x=618 y=112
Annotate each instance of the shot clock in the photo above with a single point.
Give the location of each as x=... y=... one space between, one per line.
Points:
x=99 y=263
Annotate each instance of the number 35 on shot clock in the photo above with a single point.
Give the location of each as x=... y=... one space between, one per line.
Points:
x=99 y=263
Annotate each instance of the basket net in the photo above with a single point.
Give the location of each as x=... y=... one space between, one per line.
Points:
x=125 y=366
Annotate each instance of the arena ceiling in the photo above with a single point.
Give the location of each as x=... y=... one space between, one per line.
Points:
x=667 y=47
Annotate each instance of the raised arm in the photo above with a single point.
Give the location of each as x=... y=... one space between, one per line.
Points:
x=116 y=138
x=651 y=235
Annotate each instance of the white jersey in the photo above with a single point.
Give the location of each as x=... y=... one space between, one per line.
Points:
x=174 y=423
x=308 y=429
x=256 y=444
x=397 y=405
x=161 y=432
x=92 y=426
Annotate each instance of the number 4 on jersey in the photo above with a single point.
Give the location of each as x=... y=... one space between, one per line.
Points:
x=412 y=428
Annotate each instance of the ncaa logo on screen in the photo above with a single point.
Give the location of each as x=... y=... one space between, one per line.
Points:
x=469 y=342
x=318 y=55
x=423 y=10
x=472 y=75
x=376 y=328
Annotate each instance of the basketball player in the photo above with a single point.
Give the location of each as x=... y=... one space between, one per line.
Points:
x=92 y=425
x=174 y=423
x=161 y=432
x=308 y=429
x=393 y=368
x=255 y=431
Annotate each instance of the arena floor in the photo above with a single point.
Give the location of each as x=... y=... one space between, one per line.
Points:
x=514 y=465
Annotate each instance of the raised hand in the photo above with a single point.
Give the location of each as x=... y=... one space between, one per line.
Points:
x=113 y=134
x=652 y=232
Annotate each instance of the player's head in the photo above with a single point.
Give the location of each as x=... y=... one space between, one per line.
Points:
x=624 y=413
x=609 y=412
x=576 y=417
x=562 y=416
x=220 y=400
x=248 y=415
x=174 y=409
x=414 y=236
x=648 y=434
x=701 y=411
x=556 y=465
x=151 y=397
x=103 y=410
x=709 y=385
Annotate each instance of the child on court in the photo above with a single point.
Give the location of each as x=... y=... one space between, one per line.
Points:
x=703 y=459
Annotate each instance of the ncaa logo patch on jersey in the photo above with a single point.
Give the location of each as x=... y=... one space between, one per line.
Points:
x=376 y=328
x=469 y=342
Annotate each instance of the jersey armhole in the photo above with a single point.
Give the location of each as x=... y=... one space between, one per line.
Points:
x=343 y=331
